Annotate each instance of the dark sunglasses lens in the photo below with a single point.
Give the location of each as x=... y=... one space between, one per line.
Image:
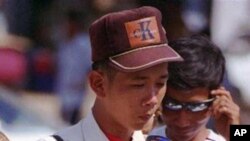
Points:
x=171 y=105
x=197 y=107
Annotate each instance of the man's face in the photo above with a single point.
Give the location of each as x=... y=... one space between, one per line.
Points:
x=184 y=124
x=134 y=97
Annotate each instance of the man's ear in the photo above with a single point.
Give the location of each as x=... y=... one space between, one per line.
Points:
x=96 y=80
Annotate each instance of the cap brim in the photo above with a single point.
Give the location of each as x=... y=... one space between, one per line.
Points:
x=142 y=58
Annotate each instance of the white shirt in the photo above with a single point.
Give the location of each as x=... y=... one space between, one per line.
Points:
x=212 y=136
x=88 y=130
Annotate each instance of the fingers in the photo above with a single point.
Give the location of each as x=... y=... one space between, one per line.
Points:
x=224 y=106
x=221 y=92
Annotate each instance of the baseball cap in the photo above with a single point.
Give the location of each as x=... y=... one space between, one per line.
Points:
x=131 y=40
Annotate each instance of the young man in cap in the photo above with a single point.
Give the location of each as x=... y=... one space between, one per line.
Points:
x=195 y=94
x=130 y=58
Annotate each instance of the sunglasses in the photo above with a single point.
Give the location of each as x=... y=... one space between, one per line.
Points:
x=174 y=105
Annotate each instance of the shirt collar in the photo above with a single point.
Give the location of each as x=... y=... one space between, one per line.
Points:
x=92 y=132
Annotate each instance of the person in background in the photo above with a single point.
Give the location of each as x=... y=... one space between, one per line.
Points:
x=233 y=37
x=74 y=64
x=195 y=94
x=130 y=58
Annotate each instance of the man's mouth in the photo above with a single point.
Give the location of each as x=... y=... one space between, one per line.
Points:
x=145 y=117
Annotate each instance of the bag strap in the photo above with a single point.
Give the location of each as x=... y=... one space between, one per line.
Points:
x=58 y=138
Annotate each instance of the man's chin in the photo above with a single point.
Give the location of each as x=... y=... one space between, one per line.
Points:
x=184 y=137
x=139 y=126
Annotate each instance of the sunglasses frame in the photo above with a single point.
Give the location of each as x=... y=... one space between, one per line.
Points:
x=187 y=105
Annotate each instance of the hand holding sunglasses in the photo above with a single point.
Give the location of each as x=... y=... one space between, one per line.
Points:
x=224 y=110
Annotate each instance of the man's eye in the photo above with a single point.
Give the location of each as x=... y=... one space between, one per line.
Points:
x=160 y=84
x=137 y=85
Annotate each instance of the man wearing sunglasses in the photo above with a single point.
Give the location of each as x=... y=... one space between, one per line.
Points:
x=194 y=94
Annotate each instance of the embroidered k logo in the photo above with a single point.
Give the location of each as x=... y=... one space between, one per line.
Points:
x=143 y=32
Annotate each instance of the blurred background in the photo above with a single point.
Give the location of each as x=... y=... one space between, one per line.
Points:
x=45 y=55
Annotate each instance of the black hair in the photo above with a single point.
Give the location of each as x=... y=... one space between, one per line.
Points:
x=203 y=65
x=104 y=67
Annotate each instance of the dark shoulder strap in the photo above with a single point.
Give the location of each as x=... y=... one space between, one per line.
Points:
x=58 y=138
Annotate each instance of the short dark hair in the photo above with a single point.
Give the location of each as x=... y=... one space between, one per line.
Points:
x=104 y=67
x=203 y=65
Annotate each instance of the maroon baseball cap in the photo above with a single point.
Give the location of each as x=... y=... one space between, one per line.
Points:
x=131 y=40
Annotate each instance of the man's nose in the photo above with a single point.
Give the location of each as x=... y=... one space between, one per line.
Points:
x=182 y=117
x=151 y=99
